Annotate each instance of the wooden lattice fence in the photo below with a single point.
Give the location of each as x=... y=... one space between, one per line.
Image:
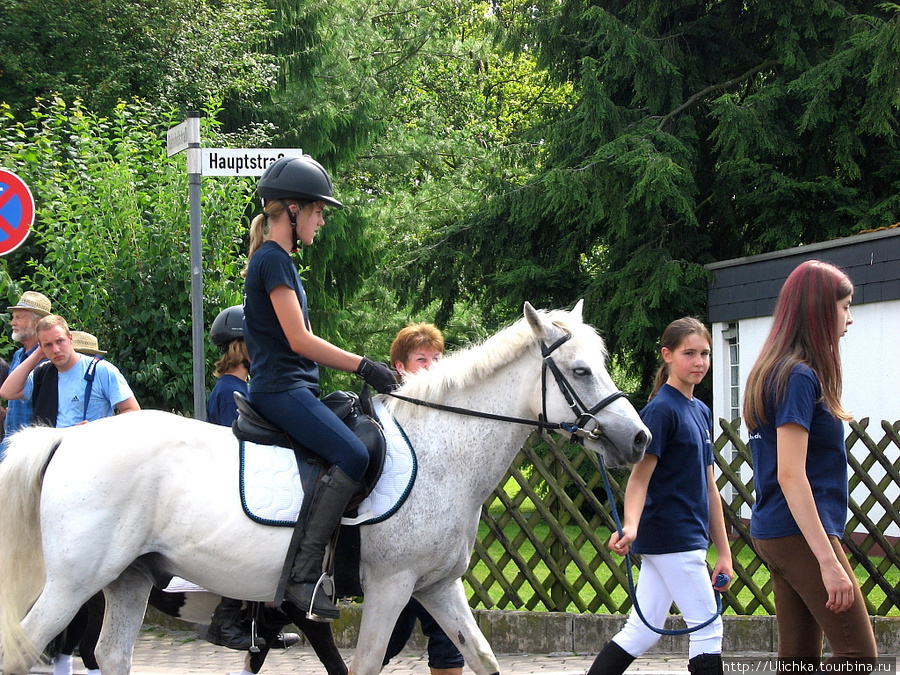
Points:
x=543 y=534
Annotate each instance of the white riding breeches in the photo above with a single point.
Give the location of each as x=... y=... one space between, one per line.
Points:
x=665 y=578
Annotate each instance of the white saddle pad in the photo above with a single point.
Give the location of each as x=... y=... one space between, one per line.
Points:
x=272 y=493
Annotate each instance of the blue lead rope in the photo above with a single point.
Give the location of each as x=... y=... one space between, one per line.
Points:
x=721 y=579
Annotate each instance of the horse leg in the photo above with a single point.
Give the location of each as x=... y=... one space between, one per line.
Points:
x=54 y=609
x=269 y=623
x=96 y=607
x=383 y=602
x=126 y=602
x=447 y=603
x=85 y=631
x=69 y=640
x=321 y=639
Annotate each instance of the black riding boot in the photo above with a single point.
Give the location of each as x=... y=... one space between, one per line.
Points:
x=706 y=664
x=306 y=554
x=612 y=660
x=226 y=630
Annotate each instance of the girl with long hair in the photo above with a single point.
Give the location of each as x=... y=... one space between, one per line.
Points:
x=793 y=411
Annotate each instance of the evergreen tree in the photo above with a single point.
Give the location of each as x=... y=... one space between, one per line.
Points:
x=697 y=131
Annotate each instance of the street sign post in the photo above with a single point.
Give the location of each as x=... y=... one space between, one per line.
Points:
x=16 y=211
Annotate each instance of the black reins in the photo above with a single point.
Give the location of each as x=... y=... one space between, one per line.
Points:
x=721 y=579
x=583 y=414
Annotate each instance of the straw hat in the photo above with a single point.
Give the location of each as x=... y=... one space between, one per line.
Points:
x=33 y=302
x=86 y=343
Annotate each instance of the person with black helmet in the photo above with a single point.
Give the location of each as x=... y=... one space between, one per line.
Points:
x=285 y=355
x=232 y=369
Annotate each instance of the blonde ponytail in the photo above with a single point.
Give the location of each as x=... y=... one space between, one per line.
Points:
x=259 y=226
x=259 y=230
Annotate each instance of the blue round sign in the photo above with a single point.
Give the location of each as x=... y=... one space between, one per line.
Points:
x=16 y=211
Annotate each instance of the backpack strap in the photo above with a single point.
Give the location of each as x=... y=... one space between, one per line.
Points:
x=89 y=377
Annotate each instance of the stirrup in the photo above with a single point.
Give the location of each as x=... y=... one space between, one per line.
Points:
x=254 y=648
x=324 y=580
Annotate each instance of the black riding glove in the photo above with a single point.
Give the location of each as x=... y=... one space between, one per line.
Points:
x=377 y=375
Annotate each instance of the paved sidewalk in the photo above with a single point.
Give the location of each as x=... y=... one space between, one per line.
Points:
x=168 y=652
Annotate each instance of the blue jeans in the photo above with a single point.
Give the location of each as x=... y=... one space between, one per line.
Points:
x=310 y=422
x=442 y=653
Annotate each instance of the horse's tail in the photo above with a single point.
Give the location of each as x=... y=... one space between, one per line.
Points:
x=22 y=572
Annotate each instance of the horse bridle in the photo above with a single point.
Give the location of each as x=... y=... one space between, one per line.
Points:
x=583 y=414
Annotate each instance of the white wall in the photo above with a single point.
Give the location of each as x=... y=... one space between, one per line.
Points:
x=870 y=354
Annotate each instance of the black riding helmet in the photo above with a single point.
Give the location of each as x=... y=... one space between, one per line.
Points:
x=297 y=178
x=227 y=326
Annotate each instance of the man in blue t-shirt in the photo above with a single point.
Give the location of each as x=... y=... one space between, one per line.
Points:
x=79 y=388
x=31 y=308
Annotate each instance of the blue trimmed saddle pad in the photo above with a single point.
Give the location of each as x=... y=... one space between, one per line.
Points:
x=272 y=491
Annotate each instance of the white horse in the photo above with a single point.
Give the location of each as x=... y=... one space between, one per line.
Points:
x=116 y=503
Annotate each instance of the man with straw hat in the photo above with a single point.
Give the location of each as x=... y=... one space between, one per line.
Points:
x=30 y=309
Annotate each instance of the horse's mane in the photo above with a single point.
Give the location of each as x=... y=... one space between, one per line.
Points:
x=477 y=362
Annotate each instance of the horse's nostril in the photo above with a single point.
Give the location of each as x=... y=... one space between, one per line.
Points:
x=640 y=440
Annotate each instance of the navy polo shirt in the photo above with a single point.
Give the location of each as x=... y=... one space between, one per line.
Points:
x=676 y=513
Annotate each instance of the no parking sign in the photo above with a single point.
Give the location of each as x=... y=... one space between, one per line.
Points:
x=16 y=211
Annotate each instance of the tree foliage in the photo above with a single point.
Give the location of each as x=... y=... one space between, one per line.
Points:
x=696 y=132
x=183 y=53
x=339 y=100
x=488 y=153
x=407 y=104
x=112 y=237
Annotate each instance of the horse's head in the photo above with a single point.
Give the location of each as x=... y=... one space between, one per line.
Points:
x=576 y=388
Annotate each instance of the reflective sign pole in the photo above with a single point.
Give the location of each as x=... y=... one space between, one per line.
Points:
x=197 y=333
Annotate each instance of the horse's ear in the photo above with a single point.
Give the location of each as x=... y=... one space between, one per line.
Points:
x=577 y=312
x=536 y=322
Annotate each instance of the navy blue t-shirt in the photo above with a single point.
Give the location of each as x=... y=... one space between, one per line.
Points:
x=220 y=407
x=274 y=366
x=826 y=459
x=676 y=513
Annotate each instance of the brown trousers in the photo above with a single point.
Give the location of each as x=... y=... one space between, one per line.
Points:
x=800 y=598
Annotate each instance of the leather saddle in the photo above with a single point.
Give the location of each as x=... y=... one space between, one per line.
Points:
x=252 y=426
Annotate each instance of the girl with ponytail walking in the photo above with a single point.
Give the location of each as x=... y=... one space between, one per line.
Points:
x=672 y=510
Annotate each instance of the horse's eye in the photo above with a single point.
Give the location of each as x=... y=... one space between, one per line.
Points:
x=581 y=372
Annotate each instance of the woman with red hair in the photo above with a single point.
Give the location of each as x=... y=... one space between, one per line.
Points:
x=794 y=414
